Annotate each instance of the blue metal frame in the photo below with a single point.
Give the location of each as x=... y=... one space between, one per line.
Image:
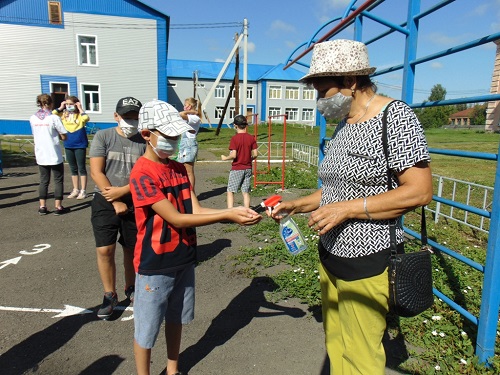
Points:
x=490 y=300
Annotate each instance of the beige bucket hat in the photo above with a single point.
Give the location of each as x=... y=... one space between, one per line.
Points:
x=340 y=57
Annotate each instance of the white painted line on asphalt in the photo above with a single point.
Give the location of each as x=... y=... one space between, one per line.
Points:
x=5 y=263
x=67 y=311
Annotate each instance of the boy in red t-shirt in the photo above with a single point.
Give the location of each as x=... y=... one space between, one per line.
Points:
x=167 y=213
x=242 y=150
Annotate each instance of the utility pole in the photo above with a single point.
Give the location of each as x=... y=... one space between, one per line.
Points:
x=195 y=82
x=237 y=80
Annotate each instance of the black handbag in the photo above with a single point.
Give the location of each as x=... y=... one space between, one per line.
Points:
x=410 y=274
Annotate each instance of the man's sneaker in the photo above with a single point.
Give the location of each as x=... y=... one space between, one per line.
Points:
x=129 y=292
x=43 y=211
x=61 y=211
x=74 y=193
x=109 y=302
x=82 y=195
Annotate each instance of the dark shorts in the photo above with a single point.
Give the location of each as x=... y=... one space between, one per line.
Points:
x=107 y=224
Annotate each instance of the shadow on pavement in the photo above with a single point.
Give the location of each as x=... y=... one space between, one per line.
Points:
x=104 y=365
x=212 y=193
x=29 y=353
x=236 y=316
x=207 y=251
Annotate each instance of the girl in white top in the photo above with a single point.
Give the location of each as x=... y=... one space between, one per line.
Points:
x=47 y=131
x=188 y=147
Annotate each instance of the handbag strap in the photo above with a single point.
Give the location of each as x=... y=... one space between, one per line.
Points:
x=392 y=223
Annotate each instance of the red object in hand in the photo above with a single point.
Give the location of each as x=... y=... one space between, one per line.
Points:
x=271 y=202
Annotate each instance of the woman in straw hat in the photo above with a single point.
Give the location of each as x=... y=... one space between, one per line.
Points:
x=353 y=208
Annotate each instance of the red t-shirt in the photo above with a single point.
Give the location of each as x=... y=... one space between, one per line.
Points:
x=161 y=248
x=243 y=143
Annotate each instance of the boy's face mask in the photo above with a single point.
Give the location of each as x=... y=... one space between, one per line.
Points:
x=128 y=127
x=165 y=147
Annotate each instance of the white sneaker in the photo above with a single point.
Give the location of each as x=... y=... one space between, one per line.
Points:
x=82 y=195
x=74 y=193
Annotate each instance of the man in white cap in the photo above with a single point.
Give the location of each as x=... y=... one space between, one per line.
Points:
x=167 y=213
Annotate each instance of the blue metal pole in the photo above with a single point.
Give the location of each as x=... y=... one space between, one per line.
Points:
x=410 y=52
x=490 y=300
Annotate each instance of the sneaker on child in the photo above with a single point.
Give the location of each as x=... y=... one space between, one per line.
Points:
x=43 y=211
x=82 y=195
x=74 y=193
x=109 y=302
x=61 y=211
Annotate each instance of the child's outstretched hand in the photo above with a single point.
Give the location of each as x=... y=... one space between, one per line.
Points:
x=244 y=216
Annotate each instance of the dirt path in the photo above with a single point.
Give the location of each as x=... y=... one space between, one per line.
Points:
x=52 y=266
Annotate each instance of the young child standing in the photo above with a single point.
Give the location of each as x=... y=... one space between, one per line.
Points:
x=167 y=213
x=242 y=150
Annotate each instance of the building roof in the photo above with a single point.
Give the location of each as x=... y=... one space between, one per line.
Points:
x=210 y=70
x=466 y=113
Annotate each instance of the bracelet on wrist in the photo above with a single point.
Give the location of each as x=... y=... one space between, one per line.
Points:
x=366 y=210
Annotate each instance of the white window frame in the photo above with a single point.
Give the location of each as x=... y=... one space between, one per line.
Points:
x=274 y=92
x=83 y=97
x=232 y=112
x=86 y=46
x=218 y=111
x=292 y=114
x=52 y=83
x=307 y=114
x=291 y=93
x=250 y=93
x=274 y=111
x=308 y=94
x=220 y=91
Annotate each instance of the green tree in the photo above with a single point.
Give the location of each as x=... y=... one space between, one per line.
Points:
x=435 y=117
x=479 y=115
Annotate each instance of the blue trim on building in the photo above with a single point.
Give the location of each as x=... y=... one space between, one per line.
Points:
x=162 y=48
x=22 y=127
x=46 y=79
x=263 y=99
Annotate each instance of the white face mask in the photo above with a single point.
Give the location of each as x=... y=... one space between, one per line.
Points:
x=164 y=147
x=70 y=108
x=334 y=107
x=128 y=127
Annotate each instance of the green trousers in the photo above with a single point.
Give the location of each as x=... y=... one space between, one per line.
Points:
x=354 y=321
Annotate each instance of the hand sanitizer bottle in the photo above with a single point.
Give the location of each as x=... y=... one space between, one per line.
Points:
x=291 y=235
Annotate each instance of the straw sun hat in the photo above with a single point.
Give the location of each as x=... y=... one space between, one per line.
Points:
x=339 y=57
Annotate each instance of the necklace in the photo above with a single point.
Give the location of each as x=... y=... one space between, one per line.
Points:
x=366 y=109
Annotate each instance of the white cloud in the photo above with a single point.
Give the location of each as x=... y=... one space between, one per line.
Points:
x=251 y=47
x=278 y=25
x=219 y=60
x=442 y=39
x=436 y=65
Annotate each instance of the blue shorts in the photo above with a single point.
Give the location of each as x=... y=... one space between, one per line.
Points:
x=239 y=179
x=162 y=298
x=188 y=150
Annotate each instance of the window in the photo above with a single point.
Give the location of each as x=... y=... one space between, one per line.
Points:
x=55 y=16
x=87 y=48
x=275 y=111
x=308 y=94
x=250 y=93
x=220 y=91
x=58 y=92
x=292 y=93
x=234 y=92
x=292 y=114
x=307 y=114
x=91 y=98
x=231 y=112
x=218 y=112
x=274 y=92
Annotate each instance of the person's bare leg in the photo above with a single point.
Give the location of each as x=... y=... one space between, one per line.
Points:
x=173 y=334
x=142 y=359
x=74 y=181
x=246 y=200
x=230 y=199
x=190 y=173
x=83 y=183
x=128 y=265
x=107 y=267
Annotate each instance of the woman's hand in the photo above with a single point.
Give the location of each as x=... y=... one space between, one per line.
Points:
x=62 y=106
x=326 y=217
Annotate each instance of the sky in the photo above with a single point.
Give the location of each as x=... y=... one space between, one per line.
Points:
x=205 y=30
